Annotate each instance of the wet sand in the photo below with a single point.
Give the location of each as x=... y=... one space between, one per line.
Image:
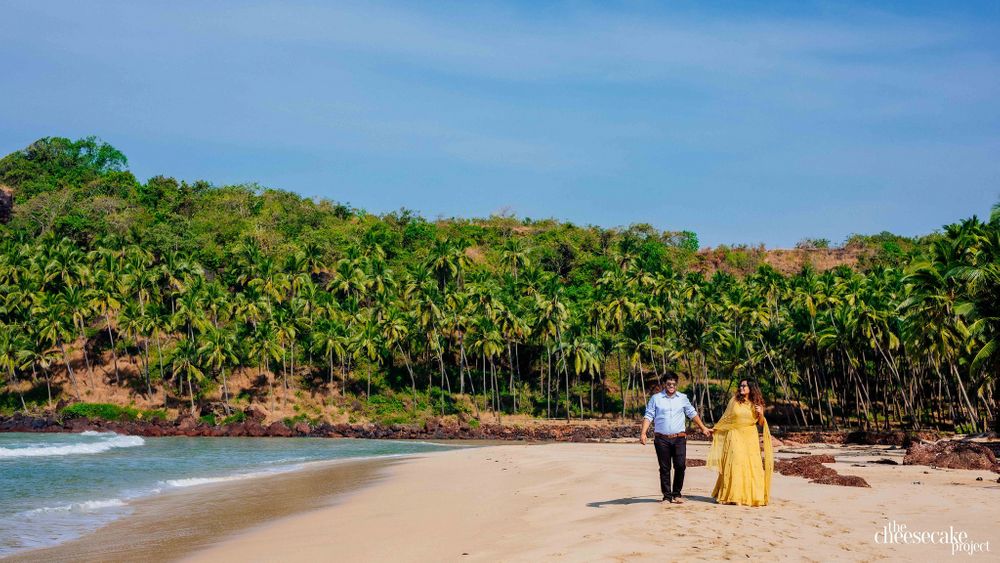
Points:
x=170 y=526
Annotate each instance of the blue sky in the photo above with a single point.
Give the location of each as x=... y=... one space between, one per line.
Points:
x=744 y=122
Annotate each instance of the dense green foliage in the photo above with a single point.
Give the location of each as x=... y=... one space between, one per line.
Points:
x=192 y=282
x=105 y=411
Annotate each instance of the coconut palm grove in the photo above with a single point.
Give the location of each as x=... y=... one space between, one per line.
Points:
x=203 y=299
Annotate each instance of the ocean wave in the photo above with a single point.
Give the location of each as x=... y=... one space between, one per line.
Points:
x=426 y=443
x=113 y=441
x=195 y=481
x=285 y=460
x=86 y=506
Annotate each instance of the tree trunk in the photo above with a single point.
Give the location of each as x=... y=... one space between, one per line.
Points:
x=461 y=365
x=149 y=387
x=225 y=392
x=114 y=353
x=284 y=378
x=86 y=359
x=163 y=375
x=621 y=382
x=13 y=376
x=547 y=382
x=69 y=370
x=513 y=393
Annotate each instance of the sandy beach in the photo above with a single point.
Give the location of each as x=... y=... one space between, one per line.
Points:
x=599 y=502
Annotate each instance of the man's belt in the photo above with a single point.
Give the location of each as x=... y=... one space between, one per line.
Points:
x=677 y=435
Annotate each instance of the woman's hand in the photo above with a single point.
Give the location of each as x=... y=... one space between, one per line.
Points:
x=760 y=412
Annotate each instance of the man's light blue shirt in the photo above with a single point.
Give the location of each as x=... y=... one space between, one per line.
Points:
x=667 y=412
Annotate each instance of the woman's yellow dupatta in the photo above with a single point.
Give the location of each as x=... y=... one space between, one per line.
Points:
x=729 y=422
x=724 y=425
x=768 y=462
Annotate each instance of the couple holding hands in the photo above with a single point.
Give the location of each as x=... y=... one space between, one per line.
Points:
x=735 y=453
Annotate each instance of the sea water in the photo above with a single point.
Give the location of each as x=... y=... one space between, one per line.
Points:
x=58 y=487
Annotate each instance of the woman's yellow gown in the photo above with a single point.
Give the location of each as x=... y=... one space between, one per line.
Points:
x=736 y=454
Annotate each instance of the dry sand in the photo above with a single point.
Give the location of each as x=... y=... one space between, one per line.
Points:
x=599 y=502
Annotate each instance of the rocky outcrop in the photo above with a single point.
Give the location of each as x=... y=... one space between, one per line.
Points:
x=431 y=430
x=6 y=204
x=953 y=454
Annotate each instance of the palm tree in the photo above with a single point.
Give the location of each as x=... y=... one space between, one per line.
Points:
x=219 y=351
x=368 y=344
x=52 y=330
x=105 y=302
x=186 y=361
x=586 y=357
x=329 y=338
x=265 y=345
x=395 y=332
x=513 y=256
x=77 y=301
x=10 y=359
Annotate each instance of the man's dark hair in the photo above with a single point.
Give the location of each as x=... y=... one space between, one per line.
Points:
x=670 y=376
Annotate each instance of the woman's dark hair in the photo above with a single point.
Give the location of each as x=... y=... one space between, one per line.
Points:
x=756 y=397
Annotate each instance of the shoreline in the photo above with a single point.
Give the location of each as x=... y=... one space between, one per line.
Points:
x=537 y=430
x=170 y=526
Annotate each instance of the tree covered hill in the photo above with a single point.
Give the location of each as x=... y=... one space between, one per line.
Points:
x=83 y=191
x=174 y=291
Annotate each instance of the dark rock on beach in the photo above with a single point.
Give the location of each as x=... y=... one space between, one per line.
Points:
x=952 y=454
x=811 y=467
x=843 y=481
x=888 y=438
x=886 y=461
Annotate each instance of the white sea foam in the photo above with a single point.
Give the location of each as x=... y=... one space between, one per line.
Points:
x=92 y=505
x=85 y=506
x=195 y=481
x=284 y=460
x=113 y=441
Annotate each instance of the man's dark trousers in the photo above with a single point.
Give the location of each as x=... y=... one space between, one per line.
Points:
x=671 y=450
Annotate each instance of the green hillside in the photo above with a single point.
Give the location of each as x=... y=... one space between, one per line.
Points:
x=214 y=298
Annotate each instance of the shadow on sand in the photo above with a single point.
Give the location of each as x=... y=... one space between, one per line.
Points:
x=645 y=499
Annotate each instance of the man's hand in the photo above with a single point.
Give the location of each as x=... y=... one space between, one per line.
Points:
x=708 y=431
x=642 y=438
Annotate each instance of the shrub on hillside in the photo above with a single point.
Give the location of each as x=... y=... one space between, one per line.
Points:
x=105 y=411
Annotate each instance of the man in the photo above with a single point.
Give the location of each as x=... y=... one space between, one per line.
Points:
x=667 y=410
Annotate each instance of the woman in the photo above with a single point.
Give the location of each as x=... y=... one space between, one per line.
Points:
x=735 y=451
